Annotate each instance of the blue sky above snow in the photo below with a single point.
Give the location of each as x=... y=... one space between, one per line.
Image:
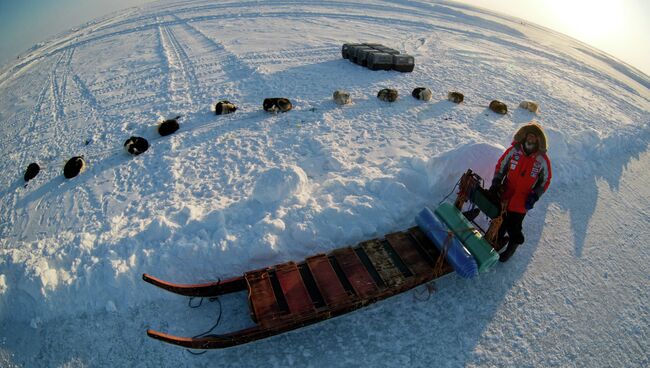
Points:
x=27 y=22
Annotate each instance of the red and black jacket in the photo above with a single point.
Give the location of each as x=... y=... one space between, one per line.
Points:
x=522 y=174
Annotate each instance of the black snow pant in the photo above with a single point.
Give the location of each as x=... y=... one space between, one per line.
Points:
x=512 y=225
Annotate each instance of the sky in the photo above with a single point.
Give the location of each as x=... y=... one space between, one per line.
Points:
x=621 y=28
x=24 y=23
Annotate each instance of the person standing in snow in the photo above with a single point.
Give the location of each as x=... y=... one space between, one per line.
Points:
x=522 y=175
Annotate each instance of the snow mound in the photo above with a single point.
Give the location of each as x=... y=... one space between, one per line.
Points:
x=446 y=168
x=159 y=230
x=279 y=184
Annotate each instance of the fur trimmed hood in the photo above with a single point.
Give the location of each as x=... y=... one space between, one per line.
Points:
x=532 y=127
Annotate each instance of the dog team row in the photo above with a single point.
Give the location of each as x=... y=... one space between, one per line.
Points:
x=137 y=145
x=425 y=94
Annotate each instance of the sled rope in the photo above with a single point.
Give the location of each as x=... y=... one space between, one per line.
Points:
x=440 y=261
x=452 y=191
x=429 y=288
x=212 y=299
x=466 y=185
x=492 y=234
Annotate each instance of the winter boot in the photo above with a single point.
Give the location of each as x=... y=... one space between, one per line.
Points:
x=510 y=250
x=502 y=242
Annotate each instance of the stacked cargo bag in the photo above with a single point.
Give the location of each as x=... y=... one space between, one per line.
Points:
x=403 y=63
x=374 y=45
x=363 y=54
x=486 y=257
x=387 y=50
x=375 y=56
x=347 y=49
x=359 y=52
x=460 y=259
x=380 y=61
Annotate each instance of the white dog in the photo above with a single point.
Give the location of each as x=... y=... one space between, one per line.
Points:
x=530 y=106
x=342 y=98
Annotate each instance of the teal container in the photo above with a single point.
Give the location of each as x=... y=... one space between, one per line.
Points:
x=486 y=257
x=479 y=198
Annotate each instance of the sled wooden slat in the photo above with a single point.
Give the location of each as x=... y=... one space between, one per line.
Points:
x=355 y=272
x=395 y=258
x=294 y=289
x=367 y=264
x=381 y=260
x=262 y=298
x=308 y=279
x=425 y=243
x=326 y=280
x=405 y=247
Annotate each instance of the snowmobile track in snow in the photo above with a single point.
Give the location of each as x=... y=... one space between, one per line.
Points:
x=182 y=79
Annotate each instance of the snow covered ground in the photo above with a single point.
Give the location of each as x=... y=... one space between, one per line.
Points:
x=228 y=194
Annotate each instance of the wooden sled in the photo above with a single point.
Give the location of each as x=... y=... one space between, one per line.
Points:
x=291 y=295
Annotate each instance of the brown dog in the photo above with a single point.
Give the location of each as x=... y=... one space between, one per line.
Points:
x=388 y=95
x=499 y=107
x=455 y=97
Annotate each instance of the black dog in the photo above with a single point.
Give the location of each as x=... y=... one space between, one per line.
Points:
x=168 y=127
x=136 y=145
x=224 y=107
x=74 y=166
x=276 y=104
x=422 y=93
x=31 y=172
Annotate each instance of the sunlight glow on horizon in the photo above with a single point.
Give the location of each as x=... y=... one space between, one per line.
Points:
x=620 y=28
x=595 y=20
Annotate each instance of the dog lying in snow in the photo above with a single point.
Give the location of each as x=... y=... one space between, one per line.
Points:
x=342 y=98
x=32 y=170
x=388 y=95
x=275 y=104
x=498 y=107
x=168 y=126
x=136 y=145
x=530 y=106
x=224 y=107
x=455 y=97
x=422 y=93
x=74 y=166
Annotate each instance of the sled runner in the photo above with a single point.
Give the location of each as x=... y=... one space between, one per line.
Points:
x=291 y=295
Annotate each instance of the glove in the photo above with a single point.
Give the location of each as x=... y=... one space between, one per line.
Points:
x=530 y=201
x=495 y=188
